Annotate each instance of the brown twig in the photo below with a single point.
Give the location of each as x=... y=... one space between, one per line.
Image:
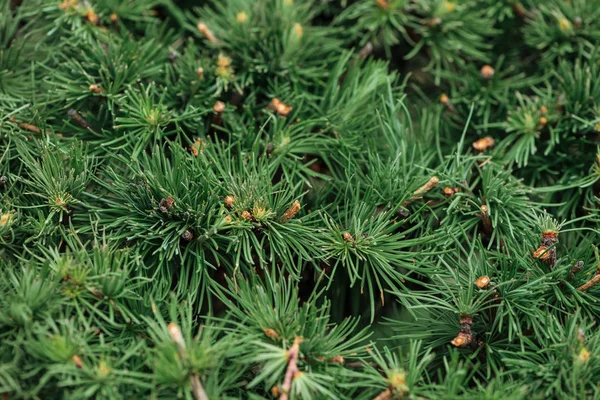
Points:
x=590 y=283
x=79 y=120
x=485 y=220
x=422 y=190
x=292 y=369
x=28 y=127
x=177 y=337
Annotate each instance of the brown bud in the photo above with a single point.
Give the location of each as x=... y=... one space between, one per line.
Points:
x=208 y=35
x=433 y=22
x=549 y=237
x=383 y=4
x=229 y=200
x=281 y=108
x=77 y=361
x=219 y=107
x=241 y=17
x=95 y=88
x=197 y=147
x=445 y=100
x=337 y=359
x=187 y=235
x=462 y=339
x=348 y=237
x=543 y=121
x=246 y=215
x=200 y=72
x=483 y=282
x=271 y=333
x=275 y=392
x=543 y=109
x=487 y=72
x=92 y=16
x=483 y=143
x=114 y=17
x=450 y=191
x=165 y=204
x=542 y=253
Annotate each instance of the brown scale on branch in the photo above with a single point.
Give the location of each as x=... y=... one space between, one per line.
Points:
x=177 y=337
x=292 y=371
x=291 y=211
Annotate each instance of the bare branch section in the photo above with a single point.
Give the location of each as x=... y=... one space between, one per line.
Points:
x=422 y=190
x=591 y=282
x=30 y=127
x=292 y=369
x=177 y=337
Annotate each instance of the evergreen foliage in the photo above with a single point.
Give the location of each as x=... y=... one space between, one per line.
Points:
x=353 y=199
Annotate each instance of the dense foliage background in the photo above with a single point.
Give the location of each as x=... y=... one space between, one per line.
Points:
x=371 y=199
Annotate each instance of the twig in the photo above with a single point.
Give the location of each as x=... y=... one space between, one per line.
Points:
x=79 y=120
x=422 y=190
x=28 y=127
x=590 y=283
x=177 y=337
x=292 y=369
x=485 y=220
